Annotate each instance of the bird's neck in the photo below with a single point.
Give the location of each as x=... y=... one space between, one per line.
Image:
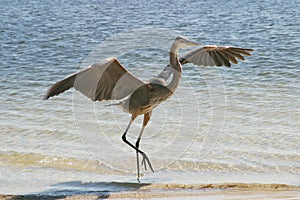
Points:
x=177 y=70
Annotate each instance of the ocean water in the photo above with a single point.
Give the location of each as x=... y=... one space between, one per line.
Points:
x=238 y=124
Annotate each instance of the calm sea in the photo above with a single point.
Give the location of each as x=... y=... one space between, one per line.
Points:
x=238 y=124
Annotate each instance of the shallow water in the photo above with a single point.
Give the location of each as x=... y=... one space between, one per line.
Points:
x=238 y=124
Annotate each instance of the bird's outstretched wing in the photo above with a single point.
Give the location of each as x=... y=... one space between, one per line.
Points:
x=215 y=56
x=107 y=80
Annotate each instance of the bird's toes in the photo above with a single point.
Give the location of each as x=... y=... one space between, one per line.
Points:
x=146 y=161
x=143 y=163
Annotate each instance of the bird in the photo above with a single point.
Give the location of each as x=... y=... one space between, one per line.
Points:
x=110 y=80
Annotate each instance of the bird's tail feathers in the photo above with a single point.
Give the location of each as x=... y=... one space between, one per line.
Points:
x=114 y=104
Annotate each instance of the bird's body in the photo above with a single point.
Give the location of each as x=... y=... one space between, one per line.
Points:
x=145 y=98
x=151 y=94
x=109 y=80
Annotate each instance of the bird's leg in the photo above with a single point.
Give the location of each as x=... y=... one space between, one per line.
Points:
x=145 y=157
x=137 y=144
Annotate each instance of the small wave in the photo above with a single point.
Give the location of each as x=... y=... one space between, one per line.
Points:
x=48 y=161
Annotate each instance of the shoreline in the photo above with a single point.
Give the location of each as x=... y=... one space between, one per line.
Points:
x=175 y=191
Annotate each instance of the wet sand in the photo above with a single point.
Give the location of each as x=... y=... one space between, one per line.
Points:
x=224 y=191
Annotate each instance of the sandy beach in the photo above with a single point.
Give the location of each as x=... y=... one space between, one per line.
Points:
x=224 y=191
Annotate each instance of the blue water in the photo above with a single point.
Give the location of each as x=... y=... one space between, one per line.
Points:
x=238 y=124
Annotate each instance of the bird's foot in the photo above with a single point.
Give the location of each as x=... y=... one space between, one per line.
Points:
x=146 y=161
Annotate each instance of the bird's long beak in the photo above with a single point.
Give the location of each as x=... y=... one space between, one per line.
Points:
x=193 y=43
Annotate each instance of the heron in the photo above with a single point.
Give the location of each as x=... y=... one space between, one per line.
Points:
x=110 y=80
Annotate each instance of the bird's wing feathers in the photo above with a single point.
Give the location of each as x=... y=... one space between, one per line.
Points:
x=100 y=81
x=215 y=56
x=110 y=80
x=60 y=86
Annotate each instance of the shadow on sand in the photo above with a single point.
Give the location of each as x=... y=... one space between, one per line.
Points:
x=93 y=190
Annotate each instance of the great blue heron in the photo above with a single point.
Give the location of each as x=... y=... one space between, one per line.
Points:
x=109 y=80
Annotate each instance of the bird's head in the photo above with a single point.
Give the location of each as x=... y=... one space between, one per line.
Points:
x=182 y=41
